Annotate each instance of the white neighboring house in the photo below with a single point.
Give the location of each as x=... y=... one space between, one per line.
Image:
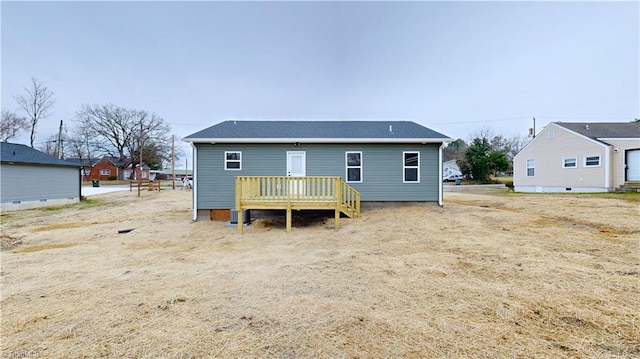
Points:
x=451 y=171
x=579 y=157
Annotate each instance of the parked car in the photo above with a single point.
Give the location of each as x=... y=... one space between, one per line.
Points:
x=451 y=178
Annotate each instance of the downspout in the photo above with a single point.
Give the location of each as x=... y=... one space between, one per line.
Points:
x=194 y=164
x=607 y=174
x=440 y=185
x=80 y=185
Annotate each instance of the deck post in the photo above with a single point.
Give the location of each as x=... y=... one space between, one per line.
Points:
x=288 y=189
x=238 y=203
x=337 y=188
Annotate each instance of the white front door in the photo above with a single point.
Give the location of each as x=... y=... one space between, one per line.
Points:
x=296 y=167
x=633 y=165
x=296 y=164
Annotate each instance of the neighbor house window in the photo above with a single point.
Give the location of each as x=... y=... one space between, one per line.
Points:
x=105 y=172
x=531 y=168
x=570 y=162
x=143 y=174
x=551 y=134
x=354 y=166
x=233 y=160
x=592 y=161
x=411 y=166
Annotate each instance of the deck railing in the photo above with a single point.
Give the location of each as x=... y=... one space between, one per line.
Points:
x=279 y=192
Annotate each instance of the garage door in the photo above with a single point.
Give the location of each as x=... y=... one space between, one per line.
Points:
x=633 y=165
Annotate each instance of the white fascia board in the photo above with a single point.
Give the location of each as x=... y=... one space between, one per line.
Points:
x=618 y=139
x=317 y=140
x=533 y=140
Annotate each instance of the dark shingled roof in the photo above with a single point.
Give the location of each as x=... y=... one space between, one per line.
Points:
x=599 y=130
x=80 y=162
x=15 y=153
x=300 y=130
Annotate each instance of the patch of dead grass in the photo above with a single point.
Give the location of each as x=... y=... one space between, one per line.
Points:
x=54 y=226
x=484 y=276
x=42 y=247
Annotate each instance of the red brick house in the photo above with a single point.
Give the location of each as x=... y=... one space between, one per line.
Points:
x=107 y=168
x=110 y=168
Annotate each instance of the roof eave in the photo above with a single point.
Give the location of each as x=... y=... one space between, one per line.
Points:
x=316 y=140
x=39 y=164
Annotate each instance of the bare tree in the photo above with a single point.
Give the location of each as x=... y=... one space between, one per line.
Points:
x=119 y=132
x=155 y=140
x=515 y=144
x=50 y=146
x=81 y=144
x=110 y=125
x=455 y=150
x=11 y=124
x=36 y=104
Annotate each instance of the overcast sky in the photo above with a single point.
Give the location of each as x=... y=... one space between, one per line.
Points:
x=451 y=66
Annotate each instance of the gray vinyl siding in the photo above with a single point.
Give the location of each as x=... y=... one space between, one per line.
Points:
x=382 y=169
x=35 y=183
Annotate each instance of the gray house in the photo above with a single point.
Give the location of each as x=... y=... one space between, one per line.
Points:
x=384 y=161
x=30 y=178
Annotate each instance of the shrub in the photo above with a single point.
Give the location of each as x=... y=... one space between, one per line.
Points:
x=509 y=185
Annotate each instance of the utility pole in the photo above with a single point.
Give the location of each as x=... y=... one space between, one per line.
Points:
x=59 y=144
x=173 y=161
x=140 y=165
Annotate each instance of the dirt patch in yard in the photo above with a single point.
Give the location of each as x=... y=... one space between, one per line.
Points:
x=487 y=275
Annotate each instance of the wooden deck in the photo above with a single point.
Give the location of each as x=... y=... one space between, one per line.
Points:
x=296 y=193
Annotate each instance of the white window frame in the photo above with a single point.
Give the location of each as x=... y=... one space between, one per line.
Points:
x=584 y=162
x=551 y=134
x=575 y=162
x=105 y=172
x=227 y=161
x=533 y=167
x=347 y=167
x=404 y=167
x=143 y=174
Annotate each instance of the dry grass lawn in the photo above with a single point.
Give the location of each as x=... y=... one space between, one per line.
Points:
x=489 y=275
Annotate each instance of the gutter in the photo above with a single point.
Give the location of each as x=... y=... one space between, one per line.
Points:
x=316 y=140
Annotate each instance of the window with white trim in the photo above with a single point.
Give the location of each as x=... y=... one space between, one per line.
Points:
x=570 y=162
x=233 y=160
x=592 y=161
x=531 y=168
x=551 y=134
x=106 y=172
x=411 y=167
x=143 y=174
x=353 y=161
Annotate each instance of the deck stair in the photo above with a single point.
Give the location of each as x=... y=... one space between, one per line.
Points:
x=631 y=186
